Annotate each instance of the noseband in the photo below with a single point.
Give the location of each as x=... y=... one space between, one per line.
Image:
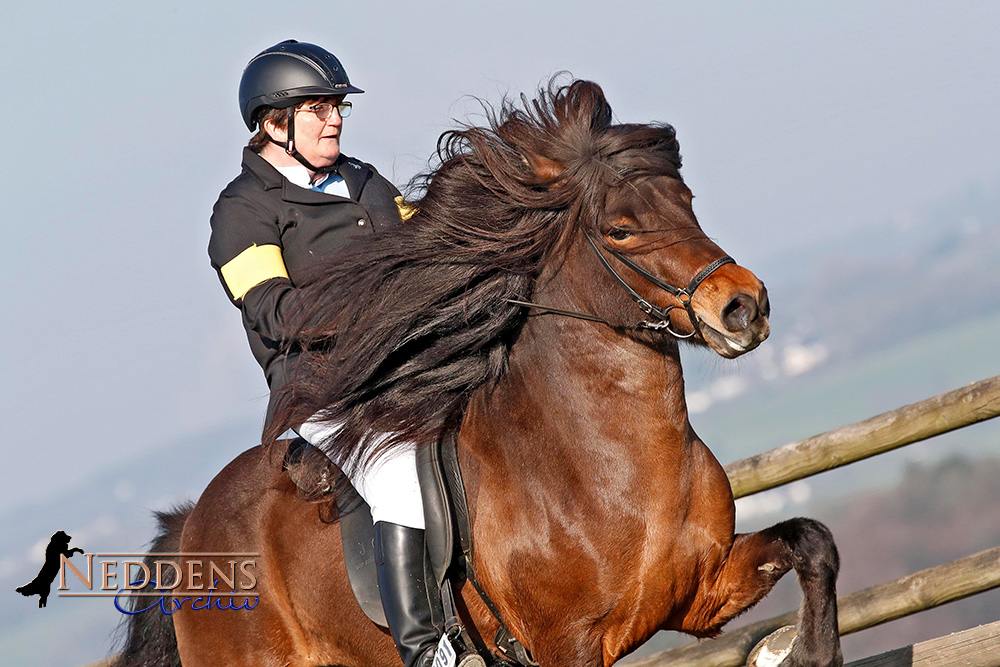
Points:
x=662 y=315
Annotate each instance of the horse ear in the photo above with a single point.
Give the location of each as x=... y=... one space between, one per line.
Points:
x=545 y=168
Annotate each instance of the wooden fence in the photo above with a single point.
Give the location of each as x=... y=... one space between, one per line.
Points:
x=913 y=593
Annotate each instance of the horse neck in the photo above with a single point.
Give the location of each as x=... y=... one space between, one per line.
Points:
x=584 y=386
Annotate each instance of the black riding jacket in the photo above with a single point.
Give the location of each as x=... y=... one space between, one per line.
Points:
x=266 y=231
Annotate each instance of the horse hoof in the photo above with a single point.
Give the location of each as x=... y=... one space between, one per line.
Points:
x=772 y=650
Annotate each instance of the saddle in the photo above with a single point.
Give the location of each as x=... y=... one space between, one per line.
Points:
x=448 y=536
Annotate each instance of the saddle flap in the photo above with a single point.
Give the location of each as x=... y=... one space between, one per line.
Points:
x=356 y=533
x=439 y=534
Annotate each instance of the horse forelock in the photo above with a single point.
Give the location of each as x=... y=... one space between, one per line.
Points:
x=400 y=328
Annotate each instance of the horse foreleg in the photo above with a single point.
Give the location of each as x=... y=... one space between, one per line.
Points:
x=755 y=563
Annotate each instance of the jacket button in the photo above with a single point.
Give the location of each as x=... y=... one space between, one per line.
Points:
x=361 y=222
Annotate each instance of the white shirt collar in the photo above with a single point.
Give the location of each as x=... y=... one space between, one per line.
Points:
x=298 y=175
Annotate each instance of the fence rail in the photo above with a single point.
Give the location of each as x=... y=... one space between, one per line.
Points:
x=976 y=647
x=973 y=403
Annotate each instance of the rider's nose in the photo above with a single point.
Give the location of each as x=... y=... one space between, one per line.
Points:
x=335 y=118
x=739 y=313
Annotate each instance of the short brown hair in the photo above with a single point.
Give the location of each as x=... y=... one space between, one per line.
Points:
x=277 y=116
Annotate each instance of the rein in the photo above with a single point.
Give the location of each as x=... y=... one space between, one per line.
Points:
x=682 y=294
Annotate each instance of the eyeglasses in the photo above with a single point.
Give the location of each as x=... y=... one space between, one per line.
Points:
x=324 y=109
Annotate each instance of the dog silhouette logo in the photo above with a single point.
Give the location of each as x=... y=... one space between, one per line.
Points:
x=41 y=585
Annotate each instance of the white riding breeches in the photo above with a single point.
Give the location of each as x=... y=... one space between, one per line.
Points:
x=389 y=485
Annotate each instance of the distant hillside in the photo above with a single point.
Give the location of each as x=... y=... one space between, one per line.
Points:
x=867 y=290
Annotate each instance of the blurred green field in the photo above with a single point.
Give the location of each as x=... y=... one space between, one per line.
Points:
x=841 y=393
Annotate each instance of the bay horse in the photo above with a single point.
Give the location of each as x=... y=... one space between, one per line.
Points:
x=598 y=515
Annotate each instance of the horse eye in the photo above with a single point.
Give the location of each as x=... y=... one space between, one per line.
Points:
x=619 y=234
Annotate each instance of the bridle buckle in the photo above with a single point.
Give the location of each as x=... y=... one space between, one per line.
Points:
x=664 y=325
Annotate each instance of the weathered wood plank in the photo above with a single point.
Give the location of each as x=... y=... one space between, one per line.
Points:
x=864 y=609
x=976 y=647
x=973 y=403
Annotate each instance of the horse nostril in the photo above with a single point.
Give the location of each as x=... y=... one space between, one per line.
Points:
x=739 y=313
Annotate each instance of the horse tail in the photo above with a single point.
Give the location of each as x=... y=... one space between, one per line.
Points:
x=149 y=639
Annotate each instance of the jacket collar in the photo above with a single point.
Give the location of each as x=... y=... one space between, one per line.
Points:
x=354 y=172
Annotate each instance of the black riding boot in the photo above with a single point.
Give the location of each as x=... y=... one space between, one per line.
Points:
x=399 y=557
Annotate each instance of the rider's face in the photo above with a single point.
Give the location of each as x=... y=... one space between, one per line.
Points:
x=318 y=141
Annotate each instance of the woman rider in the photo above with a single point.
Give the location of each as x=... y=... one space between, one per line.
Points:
x=298 y=199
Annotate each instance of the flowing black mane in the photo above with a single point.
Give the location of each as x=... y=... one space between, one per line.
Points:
x=403 y=326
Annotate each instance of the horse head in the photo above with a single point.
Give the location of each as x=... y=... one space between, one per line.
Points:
x=631 y=214
x=650 y=225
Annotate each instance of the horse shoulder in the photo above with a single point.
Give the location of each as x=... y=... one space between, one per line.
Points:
x=701 y=533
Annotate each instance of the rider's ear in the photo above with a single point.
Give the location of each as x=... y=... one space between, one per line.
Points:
x=545 y=168
x=275 y=132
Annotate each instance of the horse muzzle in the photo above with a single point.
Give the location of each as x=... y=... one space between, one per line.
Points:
x=733 y=310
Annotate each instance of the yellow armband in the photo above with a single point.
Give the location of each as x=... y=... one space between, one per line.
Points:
x=250 y=268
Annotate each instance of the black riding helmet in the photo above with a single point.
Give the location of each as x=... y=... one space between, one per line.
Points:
x=286 y=74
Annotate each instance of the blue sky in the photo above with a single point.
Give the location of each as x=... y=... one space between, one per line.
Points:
x=799 y=123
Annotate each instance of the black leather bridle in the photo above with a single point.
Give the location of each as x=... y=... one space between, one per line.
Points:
x=662 y=315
